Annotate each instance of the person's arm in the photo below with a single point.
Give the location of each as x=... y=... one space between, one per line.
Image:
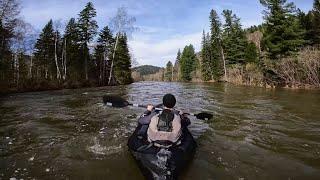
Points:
x=185 y=121
x=145 y=118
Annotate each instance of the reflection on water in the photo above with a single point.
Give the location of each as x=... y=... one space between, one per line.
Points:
x=256 y=133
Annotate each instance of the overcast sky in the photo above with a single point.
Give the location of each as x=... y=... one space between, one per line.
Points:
x=164 y=25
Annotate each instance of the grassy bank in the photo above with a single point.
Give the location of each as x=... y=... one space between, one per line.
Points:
x=301 y=71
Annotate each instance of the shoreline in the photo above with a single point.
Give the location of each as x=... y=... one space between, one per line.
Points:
x=266 y=86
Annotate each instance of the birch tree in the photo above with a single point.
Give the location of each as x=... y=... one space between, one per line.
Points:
x=122 y=23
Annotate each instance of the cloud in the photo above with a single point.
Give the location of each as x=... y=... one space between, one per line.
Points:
x=148 y=51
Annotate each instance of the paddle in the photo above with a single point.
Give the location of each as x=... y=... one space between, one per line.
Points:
x=119 y=102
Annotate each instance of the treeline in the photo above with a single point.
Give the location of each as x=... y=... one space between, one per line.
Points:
x=283 y=51
x=70 y=57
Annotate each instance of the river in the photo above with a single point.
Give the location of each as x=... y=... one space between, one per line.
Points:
x=256 y=133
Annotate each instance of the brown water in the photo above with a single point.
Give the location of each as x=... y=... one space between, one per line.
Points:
x=256 y=133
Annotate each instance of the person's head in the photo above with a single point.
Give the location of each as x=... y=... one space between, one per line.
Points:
x=169 y=101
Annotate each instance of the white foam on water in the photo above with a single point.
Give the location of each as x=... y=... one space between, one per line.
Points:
x=98 y=149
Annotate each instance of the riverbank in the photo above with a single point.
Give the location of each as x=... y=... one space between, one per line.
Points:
x=301 y=71
x=297 y=72
x=33 y=86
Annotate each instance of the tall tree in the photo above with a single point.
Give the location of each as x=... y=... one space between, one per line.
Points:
x=206 y=58
x=122 y=23
x=234 y=39
x=73 y=65
x=44 y=51
x=103 y=54
x=9 y=18
x=88 y=29
x=187 y=63
x=122 y=61
x=316 y=22
x=305 y=21
x=217 y=49
x=176 y=68
x=283 y=35
x=168 y=71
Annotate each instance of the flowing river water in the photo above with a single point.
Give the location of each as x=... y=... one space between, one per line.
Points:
x=256 y=133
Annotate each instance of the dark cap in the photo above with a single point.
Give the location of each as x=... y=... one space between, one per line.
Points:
x=169 y=100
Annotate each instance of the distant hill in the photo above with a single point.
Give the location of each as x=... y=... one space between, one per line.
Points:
x=146 y=69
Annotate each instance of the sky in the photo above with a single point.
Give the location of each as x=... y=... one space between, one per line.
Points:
x=163 y=26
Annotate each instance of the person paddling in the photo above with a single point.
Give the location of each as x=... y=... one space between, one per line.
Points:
x=164 y=128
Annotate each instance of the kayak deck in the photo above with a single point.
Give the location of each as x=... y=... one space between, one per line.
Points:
x=162 y=163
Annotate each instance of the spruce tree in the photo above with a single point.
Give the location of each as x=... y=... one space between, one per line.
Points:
x=176 y=69
x=316 y=22
x=44 y=51
x=205 y=56
x=122 y=61
x=251 y=53
x=103 y=54
x=88 y=29
x=234 y=40
x=305 y=21
x=187 y=63
x=72 y=50
x=216 y=48
x=168 y=71
x=283 y=35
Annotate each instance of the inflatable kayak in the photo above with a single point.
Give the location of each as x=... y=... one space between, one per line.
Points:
x=159 y=162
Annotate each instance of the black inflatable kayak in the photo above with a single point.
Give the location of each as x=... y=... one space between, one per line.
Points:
x=162 y=163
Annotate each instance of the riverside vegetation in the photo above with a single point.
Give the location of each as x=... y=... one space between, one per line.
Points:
x=68 y=57
x=283 y=51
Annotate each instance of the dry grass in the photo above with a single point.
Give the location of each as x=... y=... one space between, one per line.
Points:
x=301 y=71
x=250 y=75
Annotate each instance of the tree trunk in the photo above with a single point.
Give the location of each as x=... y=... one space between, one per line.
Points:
x=16 y=60
x=56 y=56
x=113 y=56
x=64 y=60
x=30 y=68
x=224 y=61
x=86 y=61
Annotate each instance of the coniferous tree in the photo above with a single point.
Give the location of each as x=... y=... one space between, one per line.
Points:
x=217 y=51
x=103 y=54
x=234 y=40
x=251 y=53
x=283 y=35
x=122 y=61
x=305 y=21
x=316 y=22
x=44 y=51
x=88 y=29
x=205 y=56
x=187 y=63
x=176 y=69
x=168 y=71
x=72 y=55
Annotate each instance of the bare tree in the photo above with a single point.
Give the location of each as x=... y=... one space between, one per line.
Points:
x=121 y=23
x=57 y=26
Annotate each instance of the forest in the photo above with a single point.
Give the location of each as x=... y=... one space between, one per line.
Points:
x=281 y=52
x=63 y=56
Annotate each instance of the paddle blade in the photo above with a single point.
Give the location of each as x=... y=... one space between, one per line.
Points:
x=115 y=101
x=204 y=116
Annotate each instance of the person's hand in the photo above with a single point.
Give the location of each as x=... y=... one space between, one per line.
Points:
x=150 y=107
x=181 y=112
x=184 y=114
